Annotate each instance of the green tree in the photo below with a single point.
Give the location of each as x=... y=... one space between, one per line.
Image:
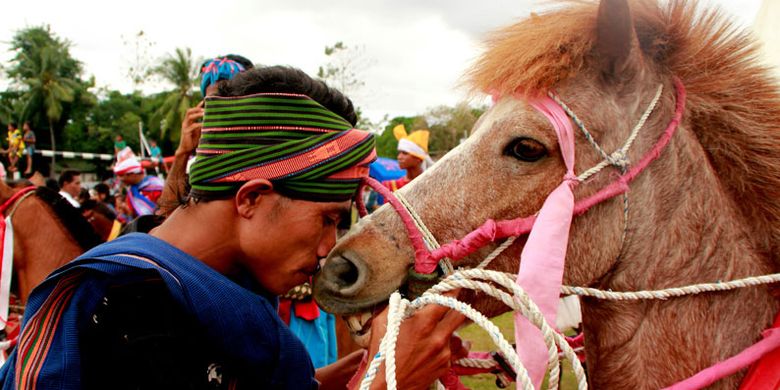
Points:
x=344 y=71
x=450 y=125
x=48 y=76
x=180 y=70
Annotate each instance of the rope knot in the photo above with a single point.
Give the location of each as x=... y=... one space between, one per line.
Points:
x=571 y=179
x=620 y=160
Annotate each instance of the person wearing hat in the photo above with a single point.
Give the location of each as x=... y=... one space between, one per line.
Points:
x=192 y=304
x=412 y=155
x=142 y=190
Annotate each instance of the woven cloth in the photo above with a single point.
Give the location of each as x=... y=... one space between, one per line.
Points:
x=304 y=149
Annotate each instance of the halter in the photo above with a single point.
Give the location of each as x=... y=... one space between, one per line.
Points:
x=541 y=267
x=427 y=253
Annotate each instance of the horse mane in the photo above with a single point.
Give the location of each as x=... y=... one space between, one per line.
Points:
x=70 y=217
x=733 y=103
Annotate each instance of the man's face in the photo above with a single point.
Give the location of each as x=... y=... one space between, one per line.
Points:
x=73 y=188
x=131 y=178
x=406 y=160
x=283 y=245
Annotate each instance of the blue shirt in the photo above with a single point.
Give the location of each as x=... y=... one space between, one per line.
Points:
x=238 y=319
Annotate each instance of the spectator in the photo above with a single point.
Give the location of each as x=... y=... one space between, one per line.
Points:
x=142 y=191
x=29 y=148
x=119 y=144
x=70 y=186
x=15 y=146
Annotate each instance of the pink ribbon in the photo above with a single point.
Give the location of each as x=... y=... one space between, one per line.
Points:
x=544 y=254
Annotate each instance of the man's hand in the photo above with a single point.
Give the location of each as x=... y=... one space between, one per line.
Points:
x=425 y=347
x=190 y=130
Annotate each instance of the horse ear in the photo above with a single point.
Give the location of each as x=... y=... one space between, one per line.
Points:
x=617 y=46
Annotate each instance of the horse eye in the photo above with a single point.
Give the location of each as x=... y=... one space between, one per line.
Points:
x=526 y=149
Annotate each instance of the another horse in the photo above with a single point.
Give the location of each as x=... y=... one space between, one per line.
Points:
x=706 y=210
x=48 y=232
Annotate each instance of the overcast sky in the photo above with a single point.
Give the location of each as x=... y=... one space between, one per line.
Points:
x=416 y=50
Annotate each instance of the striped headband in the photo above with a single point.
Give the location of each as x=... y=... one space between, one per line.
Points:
x=304 y=149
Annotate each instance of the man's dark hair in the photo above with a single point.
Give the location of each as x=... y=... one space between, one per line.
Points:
x=243 y=61
x=102 y=188
x=67 y=176
x=98 y=207
x=52 y=184
x=289 y=80
x=283 y=79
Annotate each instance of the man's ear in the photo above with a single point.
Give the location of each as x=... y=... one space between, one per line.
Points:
x=251 y=194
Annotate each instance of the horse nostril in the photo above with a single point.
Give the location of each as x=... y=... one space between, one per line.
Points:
x=342 y=272
x=343 y=275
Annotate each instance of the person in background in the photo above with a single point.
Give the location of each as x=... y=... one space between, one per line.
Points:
x=15 y=146
x=143 y=190
x=29 y=146
x=119 y=144
x=156 y=154
x=412 y=156
x=102 y=218
x=103 y=195
x=70 y=186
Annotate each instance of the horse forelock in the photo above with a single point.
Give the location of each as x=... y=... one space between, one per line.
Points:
x=732 y=108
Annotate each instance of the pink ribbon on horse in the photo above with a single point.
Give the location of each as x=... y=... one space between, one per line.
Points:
x=544 y=254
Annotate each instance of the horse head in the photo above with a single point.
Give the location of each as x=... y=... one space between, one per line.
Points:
x=705 y=201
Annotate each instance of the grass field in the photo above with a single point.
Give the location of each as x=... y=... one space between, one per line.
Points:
x=480 y=341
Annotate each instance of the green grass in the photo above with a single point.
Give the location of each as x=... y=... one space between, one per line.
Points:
x=481 y=341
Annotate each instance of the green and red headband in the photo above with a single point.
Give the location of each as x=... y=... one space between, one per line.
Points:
x=304 y=149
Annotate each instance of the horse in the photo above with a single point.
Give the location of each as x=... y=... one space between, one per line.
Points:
x=705 y=210
x=48 y=232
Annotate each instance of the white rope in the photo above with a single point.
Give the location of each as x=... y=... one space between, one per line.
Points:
x=500 y=249
x=490 y=283
x=618 y=158
x=428 y=238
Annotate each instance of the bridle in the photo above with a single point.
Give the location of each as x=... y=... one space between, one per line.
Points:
x=427 y=257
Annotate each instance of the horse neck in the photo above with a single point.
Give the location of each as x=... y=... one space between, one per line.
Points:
x=681 y=231
x=41 y=245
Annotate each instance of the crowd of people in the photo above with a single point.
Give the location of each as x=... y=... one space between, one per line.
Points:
x=240 y=221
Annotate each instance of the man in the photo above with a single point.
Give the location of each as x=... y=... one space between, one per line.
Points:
x=29 y=148
x=412 y=155
x=142 y=190
x=192 y=305
x=70 y=186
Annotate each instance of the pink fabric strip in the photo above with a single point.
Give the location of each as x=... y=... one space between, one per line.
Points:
x=491 y=230
x=422 y=260
x=544 y=254
x=733 y=364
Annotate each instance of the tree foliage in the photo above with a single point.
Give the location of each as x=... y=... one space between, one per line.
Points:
x=180 y=70
x=49 y=79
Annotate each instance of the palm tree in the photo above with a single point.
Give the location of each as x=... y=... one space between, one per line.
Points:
x=180 y=70
x=48 y=88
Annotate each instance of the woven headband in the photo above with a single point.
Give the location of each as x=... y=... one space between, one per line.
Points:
x=304 y=149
